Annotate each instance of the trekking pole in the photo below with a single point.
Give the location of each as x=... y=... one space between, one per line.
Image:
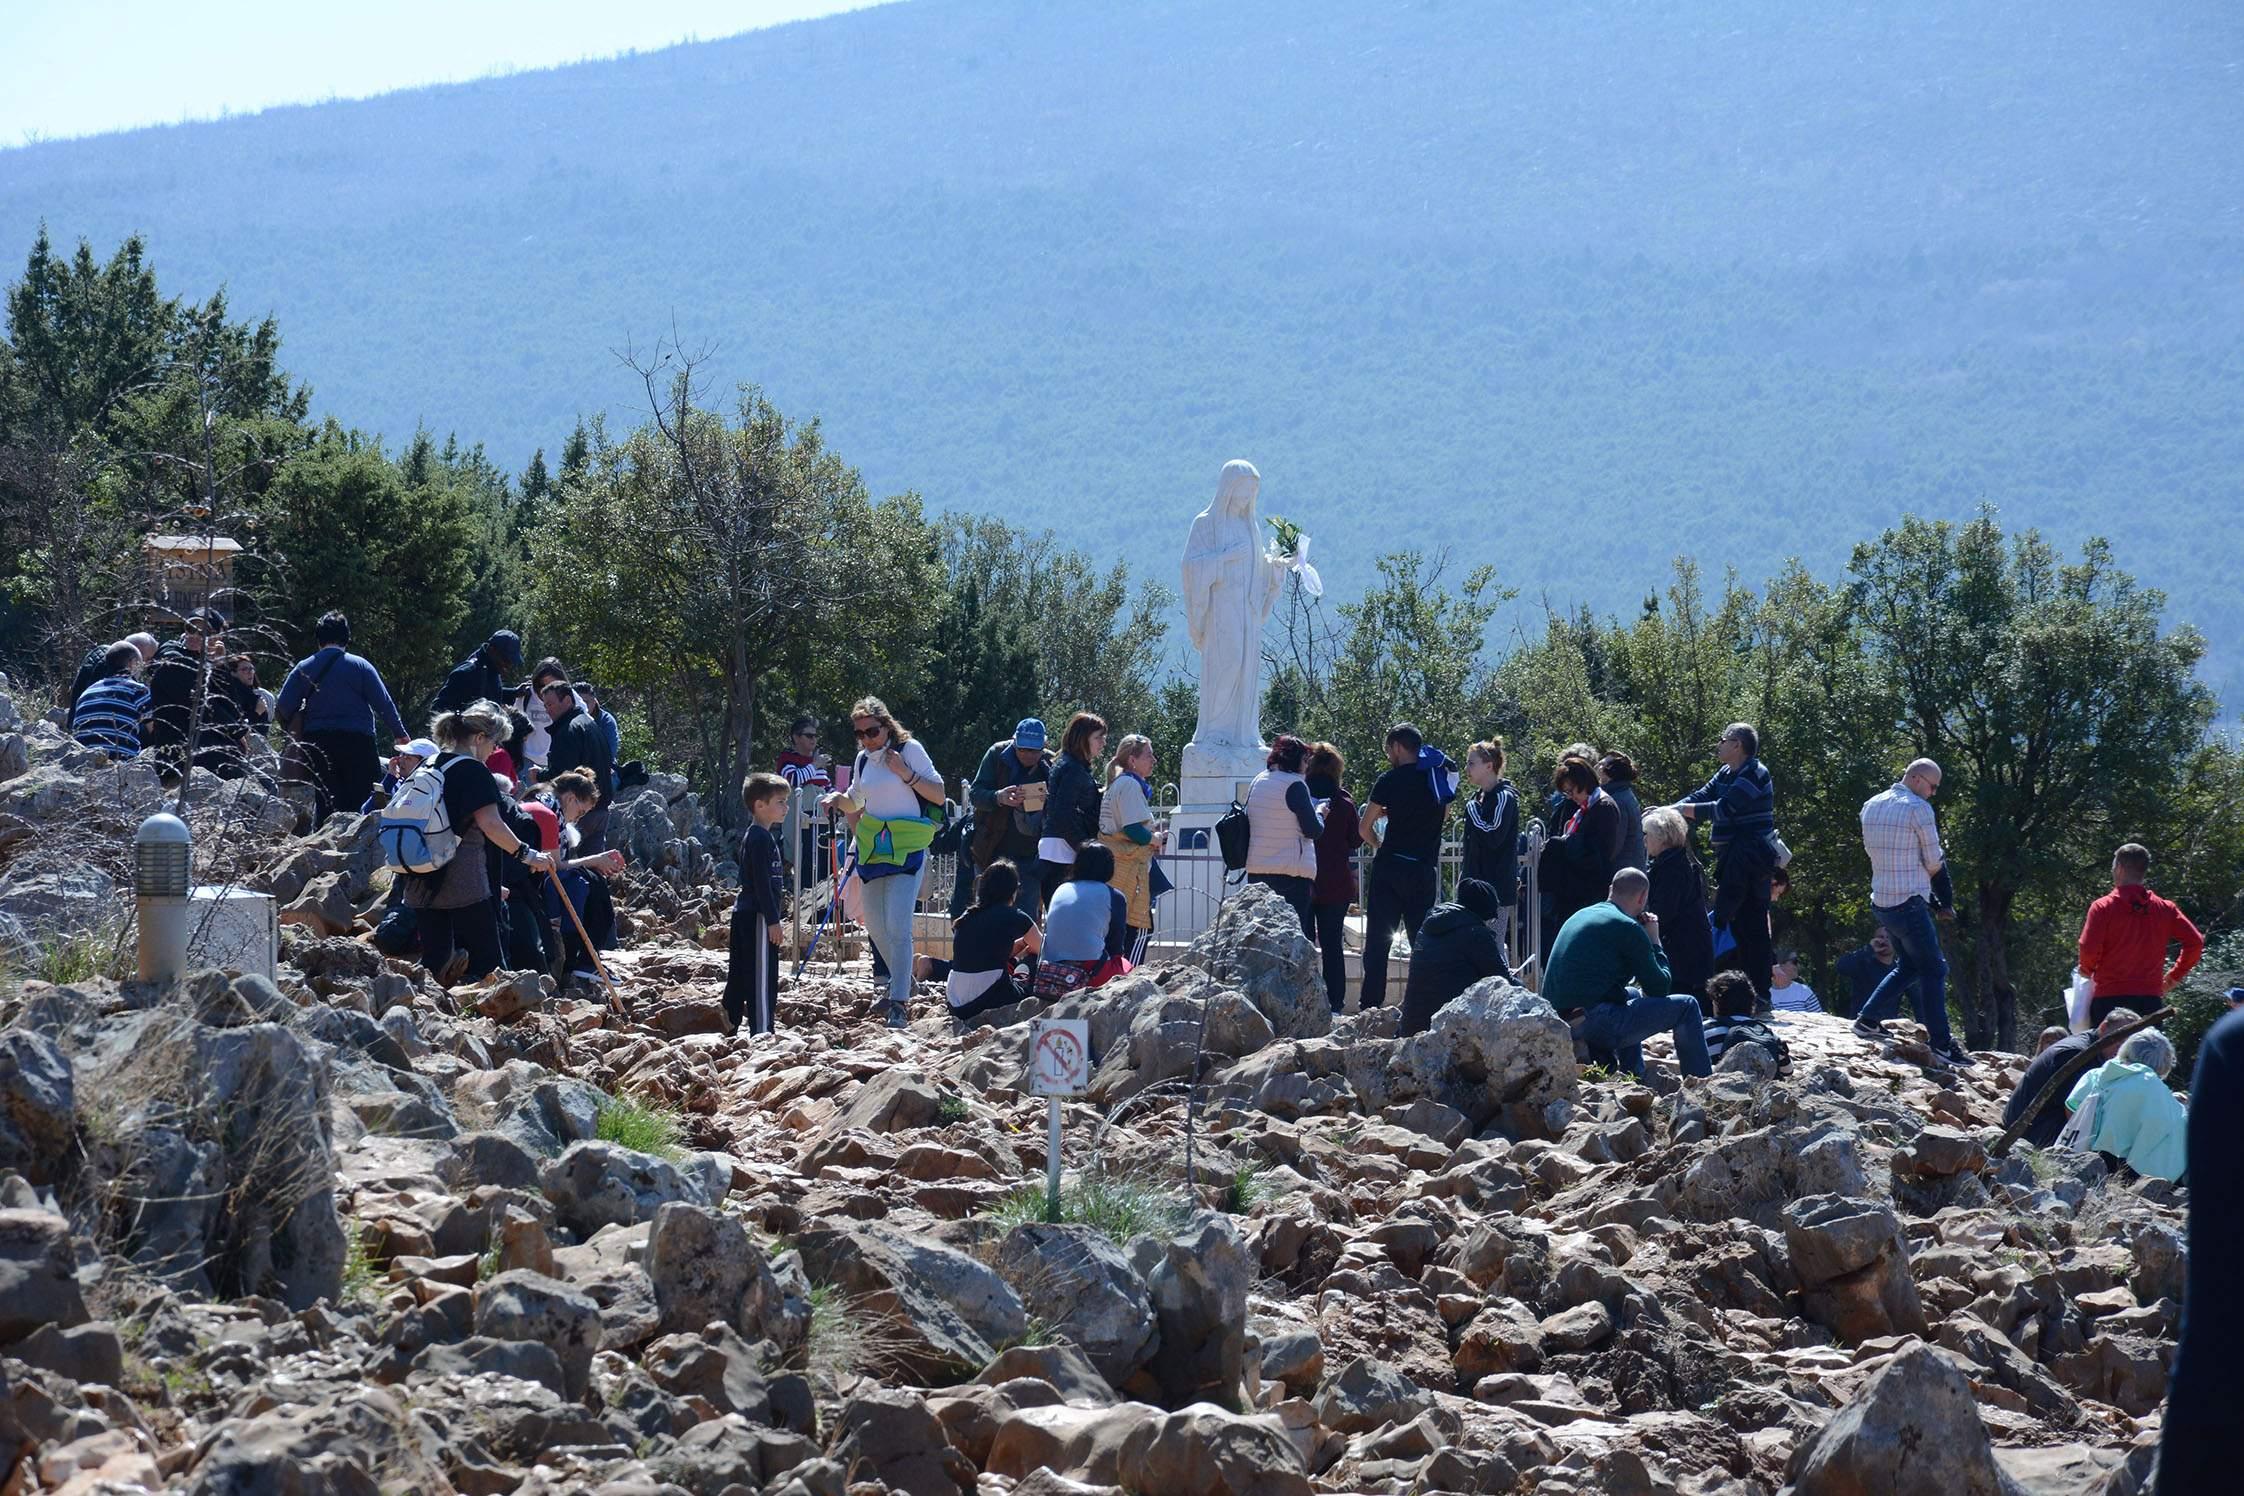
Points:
x=841 y=881
x=615 y=999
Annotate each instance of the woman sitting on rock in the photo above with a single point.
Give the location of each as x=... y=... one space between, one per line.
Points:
x=1085 y=930
x=2123 y=1108
x=988 y=941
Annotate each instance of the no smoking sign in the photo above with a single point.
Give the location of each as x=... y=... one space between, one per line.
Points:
x=1059 y=1056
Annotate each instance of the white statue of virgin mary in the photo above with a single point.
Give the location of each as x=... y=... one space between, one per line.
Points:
x=1230 y=586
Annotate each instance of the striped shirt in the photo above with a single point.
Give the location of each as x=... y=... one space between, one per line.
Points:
x=1902 y=837
x=108 y=715
x=1743 y=801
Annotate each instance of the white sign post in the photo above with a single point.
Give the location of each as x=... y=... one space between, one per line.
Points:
x=1059 y=1065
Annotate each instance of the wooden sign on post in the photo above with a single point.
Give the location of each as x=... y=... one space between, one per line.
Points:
x=1059 y=1065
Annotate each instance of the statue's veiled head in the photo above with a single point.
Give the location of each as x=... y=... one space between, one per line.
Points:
x=1236 y=489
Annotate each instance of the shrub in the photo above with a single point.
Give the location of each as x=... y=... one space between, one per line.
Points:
x=1117 y=1206
x=2200 y=1002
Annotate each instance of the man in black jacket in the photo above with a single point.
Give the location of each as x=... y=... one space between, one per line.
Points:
x=482 y=675
x=579 y=742
x=2050 y=1120
x=1456 y=947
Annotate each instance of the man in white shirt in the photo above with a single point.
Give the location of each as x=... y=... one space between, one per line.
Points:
x=1908 y=884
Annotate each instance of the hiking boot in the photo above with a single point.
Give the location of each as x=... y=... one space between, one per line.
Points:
x=897 y=1018
x=1874 y=1032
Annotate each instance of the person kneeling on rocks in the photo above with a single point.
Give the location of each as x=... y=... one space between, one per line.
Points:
x=1592 y=961
x=1456 y=947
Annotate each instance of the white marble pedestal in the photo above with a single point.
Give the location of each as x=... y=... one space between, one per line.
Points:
x=1213 y=776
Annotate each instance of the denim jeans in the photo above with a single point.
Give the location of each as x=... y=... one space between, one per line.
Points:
x=888 y=904
x=1623 y=1027
x=1919 y=969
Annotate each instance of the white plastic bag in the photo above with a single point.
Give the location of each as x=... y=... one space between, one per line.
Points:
x=2080 y=1127
x=2078 y=997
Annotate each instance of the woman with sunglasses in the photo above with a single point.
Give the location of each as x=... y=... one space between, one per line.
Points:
x=893 y=782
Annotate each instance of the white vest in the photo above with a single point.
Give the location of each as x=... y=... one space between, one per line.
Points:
x=1274 y=840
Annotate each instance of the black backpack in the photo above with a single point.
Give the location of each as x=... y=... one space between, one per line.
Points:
x=1231 y=841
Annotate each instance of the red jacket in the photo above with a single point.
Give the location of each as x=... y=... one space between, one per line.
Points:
x=2123 y=943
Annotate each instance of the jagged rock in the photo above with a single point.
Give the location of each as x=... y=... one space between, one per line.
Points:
x=352 y=1445
x=1941 y=1152
x=1497 y=1051
x=1503 y=1337
x=946 y=1311
x=599 y=1184
x=1913 y=1431
x=1578 y=1328
x=1255 y=946
x=1199 y=1280
x=2161 y=1262
x=1139 y=1448
x=224 y=1143
x=704 y=1267
x=522 y=1360
x=2126 y=1371
x=1853 y=1267
x=1368 y=1396
x=893 y=1438
x=715 y=1365
x=91 y=1352
x=38 y=1107
x=728 y=1454
x=1064 y=1367
x=38 y=1274
x=528 y=1306
x=488 y=1158
x=57 y=901
x=1295 y=1358
x=1080 y=1284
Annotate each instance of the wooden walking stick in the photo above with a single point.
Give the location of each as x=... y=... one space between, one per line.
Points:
x=2060 y=1084
x=615 y=999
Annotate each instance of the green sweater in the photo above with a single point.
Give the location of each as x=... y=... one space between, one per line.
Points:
x=1599 y=952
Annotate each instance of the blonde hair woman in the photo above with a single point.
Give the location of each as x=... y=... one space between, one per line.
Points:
x=893 y=780
x=1678 y=897
x=1126 y=830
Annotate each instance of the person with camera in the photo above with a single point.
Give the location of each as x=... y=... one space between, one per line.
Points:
x=1008 y=796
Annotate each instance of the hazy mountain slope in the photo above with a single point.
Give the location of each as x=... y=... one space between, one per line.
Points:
x=1569 y=291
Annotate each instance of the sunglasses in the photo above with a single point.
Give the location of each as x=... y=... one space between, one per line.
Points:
x=873 y=731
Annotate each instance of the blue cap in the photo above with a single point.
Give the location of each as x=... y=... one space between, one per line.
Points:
x=1028 y=733
x=2236 y=994
x=507 y=644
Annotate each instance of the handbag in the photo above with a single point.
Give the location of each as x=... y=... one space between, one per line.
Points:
x=296 y=763
x=1056 y=979
x=2080 y=1127
x=2079 y=996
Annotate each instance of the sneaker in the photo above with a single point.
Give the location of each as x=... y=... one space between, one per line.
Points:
x=1953 y=1057
x=897 y=1018
x=1874 y=1032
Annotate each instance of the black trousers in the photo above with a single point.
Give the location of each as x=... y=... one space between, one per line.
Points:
x=2100 y=1007
x=474 y=929
x=1749 y=927
x=1332 y=931
x=1049 y=877
x=751 y=974
x=346 y=766
x=1295 y=891
x=1401 y=896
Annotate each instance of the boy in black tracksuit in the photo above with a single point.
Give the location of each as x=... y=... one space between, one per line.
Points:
x=752 y=972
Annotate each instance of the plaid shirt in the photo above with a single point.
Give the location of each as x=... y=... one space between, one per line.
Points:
x=1903 y=840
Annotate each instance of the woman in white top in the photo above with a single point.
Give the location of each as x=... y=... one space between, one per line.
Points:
x=894 y=780
x=1283 y=827
x=1126 y=829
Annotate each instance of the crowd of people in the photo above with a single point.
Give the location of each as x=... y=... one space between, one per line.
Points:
x=517 y=784
x=1060 y=853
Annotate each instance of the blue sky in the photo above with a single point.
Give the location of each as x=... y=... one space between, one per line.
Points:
x=81 y=67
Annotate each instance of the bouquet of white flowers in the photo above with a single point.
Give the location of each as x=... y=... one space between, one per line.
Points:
x=1289 y=547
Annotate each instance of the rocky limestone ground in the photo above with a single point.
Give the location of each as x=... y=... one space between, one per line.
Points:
x=350 y=1232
